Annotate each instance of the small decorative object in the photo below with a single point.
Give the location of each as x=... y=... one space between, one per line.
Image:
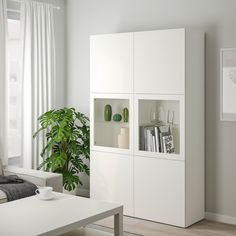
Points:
x=170 y=117
x=168 y=144
x=123 y=138
x=166 y=139
x=228 y=84
x=154 y=115
x=157 y=114
x=117 y=117
x=126 y=114
x=107 y=112
x=161 y=114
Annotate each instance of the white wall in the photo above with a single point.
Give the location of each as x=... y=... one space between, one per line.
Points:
x=216 y=17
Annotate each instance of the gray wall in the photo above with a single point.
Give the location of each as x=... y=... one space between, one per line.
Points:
x=216 y=17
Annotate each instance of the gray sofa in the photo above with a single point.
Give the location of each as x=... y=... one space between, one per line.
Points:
x=39 y=178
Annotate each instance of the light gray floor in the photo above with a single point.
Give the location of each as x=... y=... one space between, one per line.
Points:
x=95 y=230
x=148 y=228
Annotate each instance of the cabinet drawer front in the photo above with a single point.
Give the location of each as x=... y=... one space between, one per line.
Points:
x=159 y=61
x=111 y=179
x=159 y=190
x=111 y=63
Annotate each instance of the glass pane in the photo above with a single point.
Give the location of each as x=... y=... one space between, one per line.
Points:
x=111 y=123
x=159 y=126
x=14 y=88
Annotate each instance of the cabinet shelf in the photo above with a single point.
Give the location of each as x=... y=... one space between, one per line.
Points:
x=112 y=123
x=155 y=155
x=107 y=149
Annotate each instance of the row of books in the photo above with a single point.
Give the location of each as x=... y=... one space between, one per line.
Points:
x=156 y=138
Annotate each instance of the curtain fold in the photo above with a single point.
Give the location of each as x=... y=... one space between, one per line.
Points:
x=3 y=83
x=38 y=74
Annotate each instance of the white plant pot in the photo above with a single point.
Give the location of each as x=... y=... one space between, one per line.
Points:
x=73 y=192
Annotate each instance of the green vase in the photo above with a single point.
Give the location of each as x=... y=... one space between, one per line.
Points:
x=125 y=114
x=117 y=117
x=107 y=112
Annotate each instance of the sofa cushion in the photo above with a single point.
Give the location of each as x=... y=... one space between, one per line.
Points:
x=1 y=171
x=37 y=177
x=3 y=197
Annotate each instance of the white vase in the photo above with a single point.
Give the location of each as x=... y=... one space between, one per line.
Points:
x=123 y=138
x=72 y=192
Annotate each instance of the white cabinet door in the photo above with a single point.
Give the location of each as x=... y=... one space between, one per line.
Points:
x=163 y=104
x=111 y=179
x=111 y=63
x=159 y=61
x=159 y=190
x=104 y=134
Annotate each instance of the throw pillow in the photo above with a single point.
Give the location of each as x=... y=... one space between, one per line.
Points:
x=1 y=171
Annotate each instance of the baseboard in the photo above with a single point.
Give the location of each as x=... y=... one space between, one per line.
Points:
x=83 y=192
x=220 y=218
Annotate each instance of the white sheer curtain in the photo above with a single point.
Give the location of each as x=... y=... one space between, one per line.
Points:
x=3 y=86
x=38 y=74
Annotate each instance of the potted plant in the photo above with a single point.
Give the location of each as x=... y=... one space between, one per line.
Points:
x=67 y=146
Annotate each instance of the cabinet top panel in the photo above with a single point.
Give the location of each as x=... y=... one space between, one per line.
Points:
x=127 y=33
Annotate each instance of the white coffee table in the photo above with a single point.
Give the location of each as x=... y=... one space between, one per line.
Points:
x=31 y=216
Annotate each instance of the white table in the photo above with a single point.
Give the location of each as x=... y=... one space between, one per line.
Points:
x=31 y=216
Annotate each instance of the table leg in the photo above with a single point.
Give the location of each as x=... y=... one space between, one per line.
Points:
x=118 y=224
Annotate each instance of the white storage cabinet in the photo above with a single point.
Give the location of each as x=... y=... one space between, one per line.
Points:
x=159 y=76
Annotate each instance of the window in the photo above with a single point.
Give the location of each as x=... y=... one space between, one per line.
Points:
x=14 y=89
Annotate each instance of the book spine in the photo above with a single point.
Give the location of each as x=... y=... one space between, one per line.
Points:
x=160 y=140
x=145 y=139
x=164 y=144
x=149 y=140
x=151 y=143
x=157 y=139
x=141 y=138
x=154 y=143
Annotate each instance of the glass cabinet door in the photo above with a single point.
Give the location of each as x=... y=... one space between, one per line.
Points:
x=159 y=125
x=112 y=119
